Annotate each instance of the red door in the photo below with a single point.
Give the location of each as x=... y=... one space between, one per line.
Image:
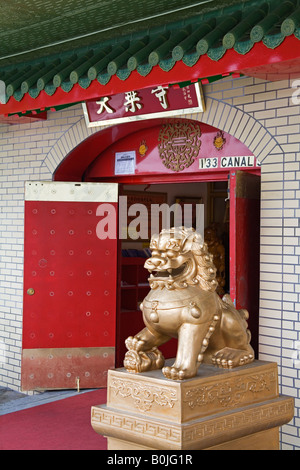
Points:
x=245 y=246
x=70 y=278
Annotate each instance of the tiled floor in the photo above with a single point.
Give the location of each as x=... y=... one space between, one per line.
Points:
x=11 y=400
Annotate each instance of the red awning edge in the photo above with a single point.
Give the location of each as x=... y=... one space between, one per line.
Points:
x=258 y=59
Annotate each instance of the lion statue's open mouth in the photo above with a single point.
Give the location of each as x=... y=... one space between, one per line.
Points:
x=170 y=273
x=183 y=303
x=168 y=276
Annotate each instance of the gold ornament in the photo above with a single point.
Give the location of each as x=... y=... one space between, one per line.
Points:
x=143 y=148
x=179 y=144
x=219 y=140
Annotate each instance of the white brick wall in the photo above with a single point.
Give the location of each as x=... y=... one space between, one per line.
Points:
x=262 y=115
x=26 y=153
x=272 y=106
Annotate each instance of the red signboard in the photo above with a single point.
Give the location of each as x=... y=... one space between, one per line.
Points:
x=159 y=101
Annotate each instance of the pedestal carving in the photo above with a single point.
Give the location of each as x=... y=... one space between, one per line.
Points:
x=216 y=408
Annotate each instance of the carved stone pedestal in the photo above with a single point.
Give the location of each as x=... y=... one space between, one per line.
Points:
x=217 y=409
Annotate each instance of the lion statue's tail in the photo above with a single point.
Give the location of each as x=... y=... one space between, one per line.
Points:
x=243 y=314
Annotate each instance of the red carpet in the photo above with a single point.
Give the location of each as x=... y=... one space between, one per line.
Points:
x=60 y=425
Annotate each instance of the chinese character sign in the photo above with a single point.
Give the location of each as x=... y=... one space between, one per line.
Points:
x=158 y=101
x=161 y=93
x=132 y=101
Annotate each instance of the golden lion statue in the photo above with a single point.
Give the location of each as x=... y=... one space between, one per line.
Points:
x=183 y=303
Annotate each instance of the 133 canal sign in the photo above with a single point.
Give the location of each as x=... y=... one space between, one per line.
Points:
x=148 y=103
x=248 y=161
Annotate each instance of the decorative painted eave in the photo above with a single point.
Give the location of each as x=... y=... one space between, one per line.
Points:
x=231 y=39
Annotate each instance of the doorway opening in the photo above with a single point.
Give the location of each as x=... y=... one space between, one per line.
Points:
x=222 y=231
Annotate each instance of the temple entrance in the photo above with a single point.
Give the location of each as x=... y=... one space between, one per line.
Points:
x=167 y=161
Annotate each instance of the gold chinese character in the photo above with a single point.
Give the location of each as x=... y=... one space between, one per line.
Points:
x=104 y=106
x=161 y=93
x=132 y=101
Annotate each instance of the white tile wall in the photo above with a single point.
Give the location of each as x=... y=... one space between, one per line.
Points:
x=28 y=151
x=261 y=114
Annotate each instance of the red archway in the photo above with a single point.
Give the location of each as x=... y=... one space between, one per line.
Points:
x=93 y=159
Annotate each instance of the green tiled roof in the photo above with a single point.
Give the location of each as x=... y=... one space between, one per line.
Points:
x=36 y=28
x=238 y=26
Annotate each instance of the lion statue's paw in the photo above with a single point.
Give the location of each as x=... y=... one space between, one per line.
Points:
x=133 y=343
x=228 y=358
x=175 y=373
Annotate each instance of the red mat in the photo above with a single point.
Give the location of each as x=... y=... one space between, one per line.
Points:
x=61 y=425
